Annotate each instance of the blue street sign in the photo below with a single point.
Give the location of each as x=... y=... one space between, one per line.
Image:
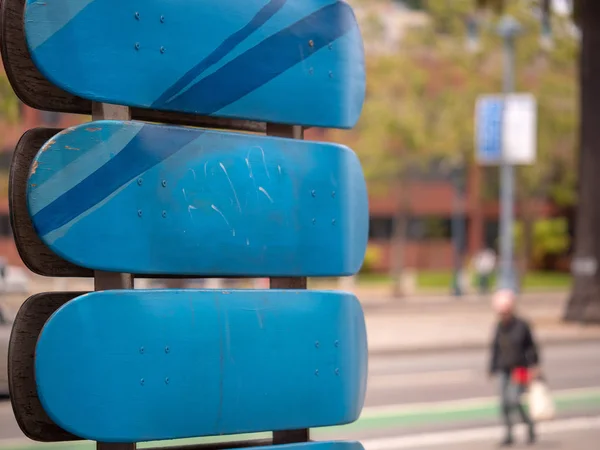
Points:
x=489 y=113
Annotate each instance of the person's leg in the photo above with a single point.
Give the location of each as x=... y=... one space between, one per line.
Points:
x=506 y=407
x=524 y=414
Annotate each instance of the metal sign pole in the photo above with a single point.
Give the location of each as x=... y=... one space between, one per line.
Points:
x=508 y=29
x=458 y=226
x=104 y=281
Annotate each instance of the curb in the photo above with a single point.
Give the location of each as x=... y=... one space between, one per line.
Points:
x=430 y=350
x=449 y=301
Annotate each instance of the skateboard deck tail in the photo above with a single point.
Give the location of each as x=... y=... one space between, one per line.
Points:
x=27 y=326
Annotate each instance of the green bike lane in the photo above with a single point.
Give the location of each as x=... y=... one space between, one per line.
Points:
x=385 y=421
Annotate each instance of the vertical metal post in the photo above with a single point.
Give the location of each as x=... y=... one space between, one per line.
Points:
x=302 y=435
x=458 y=228
x=508 y=30
x=108 y=280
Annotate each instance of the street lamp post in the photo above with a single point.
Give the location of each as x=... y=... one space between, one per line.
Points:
x=508 y=29
x=458 y=226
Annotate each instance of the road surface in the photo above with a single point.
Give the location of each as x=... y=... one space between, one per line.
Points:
x=442 y=401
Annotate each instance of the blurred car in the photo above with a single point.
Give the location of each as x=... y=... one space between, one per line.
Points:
x=14 y=280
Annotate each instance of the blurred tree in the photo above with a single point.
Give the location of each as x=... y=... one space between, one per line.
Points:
x=411 y=116
x=9 y=104
x=551 y=240
x=9 y=113
x=373 y=258
x=550 y=76
x=584 y=304
x=420 y=103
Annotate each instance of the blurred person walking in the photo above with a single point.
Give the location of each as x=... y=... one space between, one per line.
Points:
x=514 y=357
x=484 y=264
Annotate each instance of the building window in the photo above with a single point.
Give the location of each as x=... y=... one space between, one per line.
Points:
x=429 y=228
x=381 y=228
x=417 y=229
x=490 y=233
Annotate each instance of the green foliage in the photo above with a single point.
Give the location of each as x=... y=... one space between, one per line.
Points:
x=433 y=228
x=448 y=17
x=495 y=5
x=4 y=183
x=439 y=280
x=373 y=257
x=9 y=104
x=420 y=99
x=550 y=238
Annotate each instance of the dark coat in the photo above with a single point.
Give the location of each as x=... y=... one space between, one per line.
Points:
x=513 y=346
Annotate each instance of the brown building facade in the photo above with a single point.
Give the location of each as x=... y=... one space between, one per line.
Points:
x=429 y=204
x=431 y=200
x=10 y=133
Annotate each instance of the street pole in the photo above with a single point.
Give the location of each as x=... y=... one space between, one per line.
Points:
x=508 y=29
x=458 y=228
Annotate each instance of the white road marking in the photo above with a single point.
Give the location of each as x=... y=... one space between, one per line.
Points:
x=461 y=405
x=420 y=440
x=434 y=378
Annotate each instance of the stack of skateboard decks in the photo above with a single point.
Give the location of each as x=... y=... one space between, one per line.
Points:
x=166 y=182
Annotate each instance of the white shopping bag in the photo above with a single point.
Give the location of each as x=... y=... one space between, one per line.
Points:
x=541 y=405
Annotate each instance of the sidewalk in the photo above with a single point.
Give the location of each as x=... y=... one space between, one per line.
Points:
x=422 y=324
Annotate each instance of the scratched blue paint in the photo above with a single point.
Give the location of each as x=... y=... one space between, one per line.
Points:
x=79 y=163
x=232 y=204
x=214 y=61
x=131 y=366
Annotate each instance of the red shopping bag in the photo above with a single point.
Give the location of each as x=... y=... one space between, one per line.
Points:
x=520 y=375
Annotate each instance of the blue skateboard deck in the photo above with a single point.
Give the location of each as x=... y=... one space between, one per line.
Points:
x=152 y=199
x=298 y=62
x=141 y=365
x=36 y=91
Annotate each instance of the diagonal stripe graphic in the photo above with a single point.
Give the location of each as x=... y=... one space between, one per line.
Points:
x=50 y=184
x=56 y=20
x=147 y=149
x=268 y=11
x=266 y=61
